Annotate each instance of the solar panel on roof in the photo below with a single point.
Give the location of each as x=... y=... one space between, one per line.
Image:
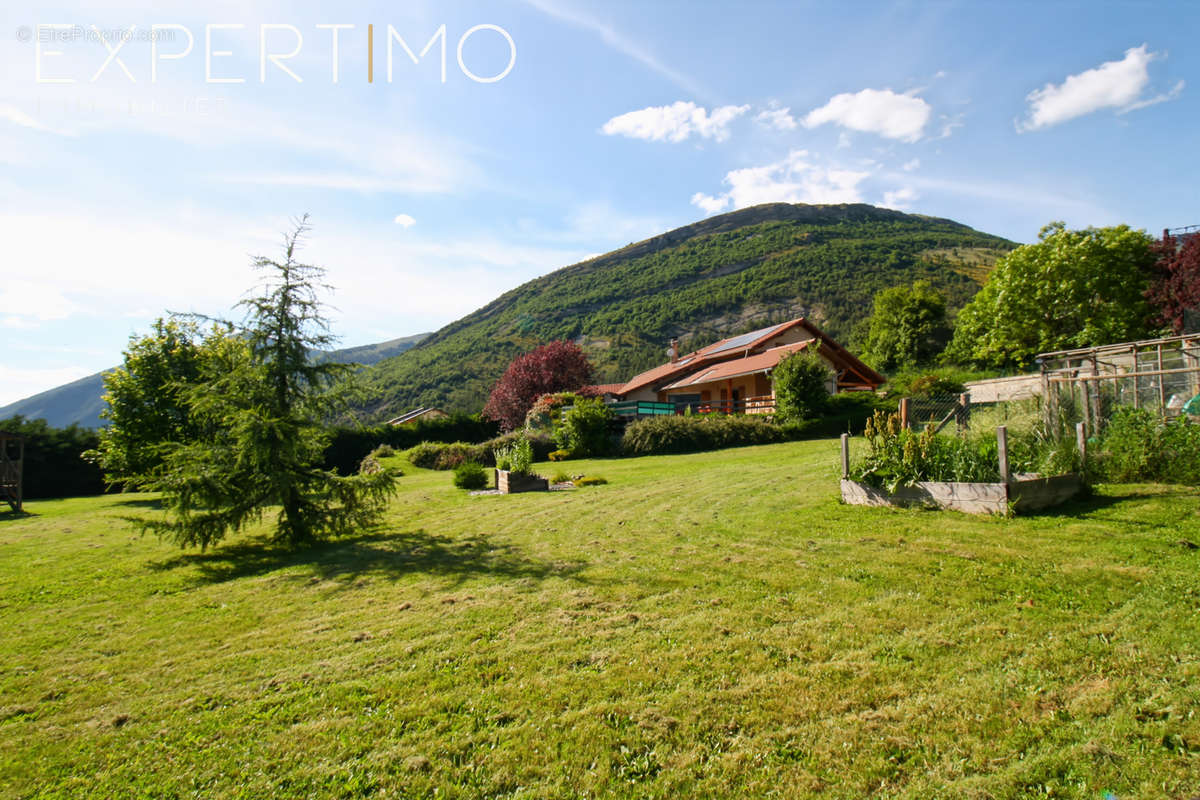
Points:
x=744 y=339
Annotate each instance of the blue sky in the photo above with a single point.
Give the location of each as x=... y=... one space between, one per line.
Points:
x=145 y=185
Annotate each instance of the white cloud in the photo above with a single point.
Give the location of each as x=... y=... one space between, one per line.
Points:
x=709 y=204
x=900 y=199
x=794 y=179
x=674 y=123
x=909 y=166
x=1113 y=84
x=879 y=111
x=780 y=119
x=404 y=220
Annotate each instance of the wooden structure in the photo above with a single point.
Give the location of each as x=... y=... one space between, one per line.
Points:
x=12 y=457
x=1012 y=494
x=1162 y=375
x=511 y=482
x=734 y=375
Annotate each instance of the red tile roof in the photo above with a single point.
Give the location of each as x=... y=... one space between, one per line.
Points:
x=680 y=372
x=740 y=366
x=600 y=388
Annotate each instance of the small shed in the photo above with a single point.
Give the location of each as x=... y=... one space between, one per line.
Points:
x=12 y=455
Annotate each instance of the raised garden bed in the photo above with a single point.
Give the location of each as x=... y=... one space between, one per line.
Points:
x=1014 y=494
x=1022 y=494
x=508 y=482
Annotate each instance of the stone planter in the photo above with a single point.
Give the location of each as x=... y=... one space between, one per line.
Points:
x=1024 y=493
x=511 y=483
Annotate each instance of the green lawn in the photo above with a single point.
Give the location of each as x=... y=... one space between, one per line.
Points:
x=713 y=625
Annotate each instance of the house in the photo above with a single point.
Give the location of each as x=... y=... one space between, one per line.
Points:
x=734 y=374
x=416 y=414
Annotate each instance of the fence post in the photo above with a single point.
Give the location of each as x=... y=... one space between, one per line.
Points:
x=1002 y=453
x=964 y=412
x=845 y=456
x=1081 y=443
x=904 y=420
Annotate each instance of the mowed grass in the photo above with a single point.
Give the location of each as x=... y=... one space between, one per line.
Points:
x=714 y=625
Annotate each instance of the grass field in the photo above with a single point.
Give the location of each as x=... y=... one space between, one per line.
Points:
x=714 y=625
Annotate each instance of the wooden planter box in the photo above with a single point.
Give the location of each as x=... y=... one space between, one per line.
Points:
x=511 y=483
x=1024 y=493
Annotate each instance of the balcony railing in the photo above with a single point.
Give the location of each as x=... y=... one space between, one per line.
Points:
x=646 y=408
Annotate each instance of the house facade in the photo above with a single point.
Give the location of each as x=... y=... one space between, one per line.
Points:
x=734 y=374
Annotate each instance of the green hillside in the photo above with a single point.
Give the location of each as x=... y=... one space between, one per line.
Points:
x=723 y=275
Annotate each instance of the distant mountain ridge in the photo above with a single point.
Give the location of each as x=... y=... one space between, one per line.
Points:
x=720 y=276
x=80 y=402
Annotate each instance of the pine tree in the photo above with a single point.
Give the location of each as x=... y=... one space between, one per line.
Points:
x=261 y=406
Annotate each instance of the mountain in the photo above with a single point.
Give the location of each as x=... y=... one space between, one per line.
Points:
x=81 y=401
x=720 y=276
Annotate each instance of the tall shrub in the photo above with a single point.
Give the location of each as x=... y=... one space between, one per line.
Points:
x=801 y=386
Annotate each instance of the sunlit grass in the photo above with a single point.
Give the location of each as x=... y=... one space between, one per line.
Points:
x=713 y=625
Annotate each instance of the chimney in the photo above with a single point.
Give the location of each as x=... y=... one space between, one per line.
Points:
x=673 y=350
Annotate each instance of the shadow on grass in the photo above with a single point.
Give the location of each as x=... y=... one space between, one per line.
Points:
x=1086 y=506
x=140 y=502
x=388 y=554
x=9 y=514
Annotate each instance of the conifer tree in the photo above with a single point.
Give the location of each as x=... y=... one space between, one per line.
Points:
x=261 y=406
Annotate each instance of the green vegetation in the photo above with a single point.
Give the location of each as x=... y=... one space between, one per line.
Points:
x=897 y=457
x=590 y=480
x=801 y=383
x=516 y=458
x=470 y=475
x=1070 y=289
x=585 y=429
x=711 y=625
x=257 y=411
x=146 y=400
x=54 y=464
x=691 y=434
x=1138 y=445
x=724 y=275
x=907 y=327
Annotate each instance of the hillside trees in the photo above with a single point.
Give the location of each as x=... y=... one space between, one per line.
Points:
x=1070 y=289
x=260 y=406
x=907 y=326
x=554 y=367
x=1175 y=290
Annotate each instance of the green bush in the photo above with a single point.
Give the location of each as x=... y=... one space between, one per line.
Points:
x=437 y=455
x=584 y=429
x=559 y=455
x=801 y=386
x=1140 y=446
x=561 y=477
x=674 y=434
x=470 y=475
x=54 y=464
x=383 y=451
x=349 y=444
x=590 y=480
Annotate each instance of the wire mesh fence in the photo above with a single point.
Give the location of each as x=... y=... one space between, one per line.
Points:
x=958 y=414
x=1089 y=385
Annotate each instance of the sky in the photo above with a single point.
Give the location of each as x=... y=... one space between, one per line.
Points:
x=148 y=150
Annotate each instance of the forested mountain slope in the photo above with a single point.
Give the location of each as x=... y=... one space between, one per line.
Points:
x=719 y=276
